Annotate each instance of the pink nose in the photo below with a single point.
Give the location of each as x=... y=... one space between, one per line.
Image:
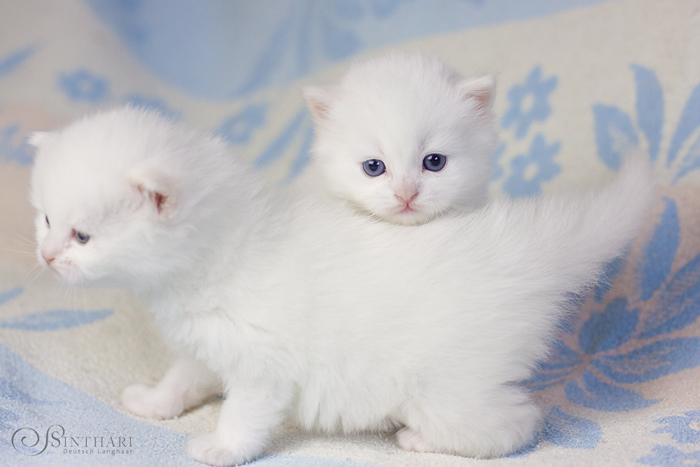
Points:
x=49 y=259
x=407 y=197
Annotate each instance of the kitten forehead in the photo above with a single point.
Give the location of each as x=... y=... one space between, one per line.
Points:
x=410 y=98
x=84 y=168
x=402 y=78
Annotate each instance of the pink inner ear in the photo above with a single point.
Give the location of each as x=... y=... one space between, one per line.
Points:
x=160 y=200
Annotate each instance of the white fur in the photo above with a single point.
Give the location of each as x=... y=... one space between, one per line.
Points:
x=303 y=308
x=400 y=108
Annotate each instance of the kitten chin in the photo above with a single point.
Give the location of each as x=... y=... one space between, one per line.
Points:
x=405 y=138
x=296 y=306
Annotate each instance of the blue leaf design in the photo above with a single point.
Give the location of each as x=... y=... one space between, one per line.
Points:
x=655 y=263
x=10 y=294
x=12 y=392
x=276 y=149
x=13 y=148
x=602 y=396
x=304 y=157
x=689 y=122
x=652 y=361
x=556 y=369
x=540 y=381
x=650 y=107
x=605 y=282
x=270 y=58
x=691 y=161
x=54 y=320
x=614 y=134
x=560 y=357
x=679 y=303
x=15 y=59
x=608 y=330
x=570 y=432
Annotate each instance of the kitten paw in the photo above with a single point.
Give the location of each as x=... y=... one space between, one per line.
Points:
x=410 y=440
x=207 y=449
x=148 y=402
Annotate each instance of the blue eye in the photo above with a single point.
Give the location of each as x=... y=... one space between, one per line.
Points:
x=48 y=224
x=374 y=167
x=81 y=237
x=434 y=162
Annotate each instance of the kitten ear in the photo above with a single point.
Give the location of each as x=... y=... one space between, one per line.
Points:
x=319 y=99
x=38 y=138
x=481 y=90
x=157 y=189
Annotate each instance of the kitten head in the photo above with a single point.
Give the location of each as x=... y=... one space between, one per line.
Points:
x=111 y=203
x=404 y=138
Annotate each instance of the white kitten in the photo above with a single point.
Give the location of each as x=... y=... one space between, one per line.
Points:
x=404 y=138
x=302 y=308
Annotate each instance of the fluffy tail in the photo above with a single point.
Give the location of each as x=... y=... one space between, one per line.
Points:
x=593 y=228
x=557 y=245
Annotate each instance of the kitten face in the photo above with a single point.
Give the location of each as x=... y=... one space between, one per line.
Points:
x=99 y=218
x=100 y=239
x=404 y=138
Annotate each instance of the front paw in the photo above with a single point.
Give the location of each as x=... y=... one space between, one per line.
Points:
x=208 y=449
x=148 y=402
x=411 y=440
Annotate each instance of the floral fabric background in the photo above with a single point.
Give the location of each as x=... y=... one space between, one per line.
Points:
x=578 y=81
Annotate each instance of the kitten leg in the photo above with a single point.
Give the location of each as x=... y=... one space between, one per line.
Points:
x=497 y=423
x=186 y=385
x=247 y=418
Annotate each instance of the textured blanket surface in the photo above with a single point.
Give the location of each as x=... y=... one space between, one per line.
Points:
x=577 y=81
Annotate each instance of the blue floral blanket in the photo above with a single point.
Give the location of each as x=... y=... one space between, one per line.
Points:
x=577 y=81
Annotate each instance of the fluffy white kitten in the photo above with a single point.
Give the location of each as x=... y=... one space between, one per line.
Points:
x=404 y=138
x=300 y=307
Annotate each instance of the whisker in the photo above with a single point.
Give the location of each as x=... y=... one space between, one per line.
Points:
x=32 y=270
x=21 y=252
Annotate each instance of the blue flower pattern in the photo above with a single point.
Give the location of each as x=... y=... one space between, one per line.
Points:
x=239 y=128
x=82 y=85
x=668 y=456
x=682 y=434
x=562 y=429
x=529 y=170
x=680 y=427
x=529 y=103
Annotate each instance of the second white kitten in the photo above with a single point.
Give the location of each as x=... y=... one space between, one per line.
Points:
x=299 y=307
x=404 y=138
